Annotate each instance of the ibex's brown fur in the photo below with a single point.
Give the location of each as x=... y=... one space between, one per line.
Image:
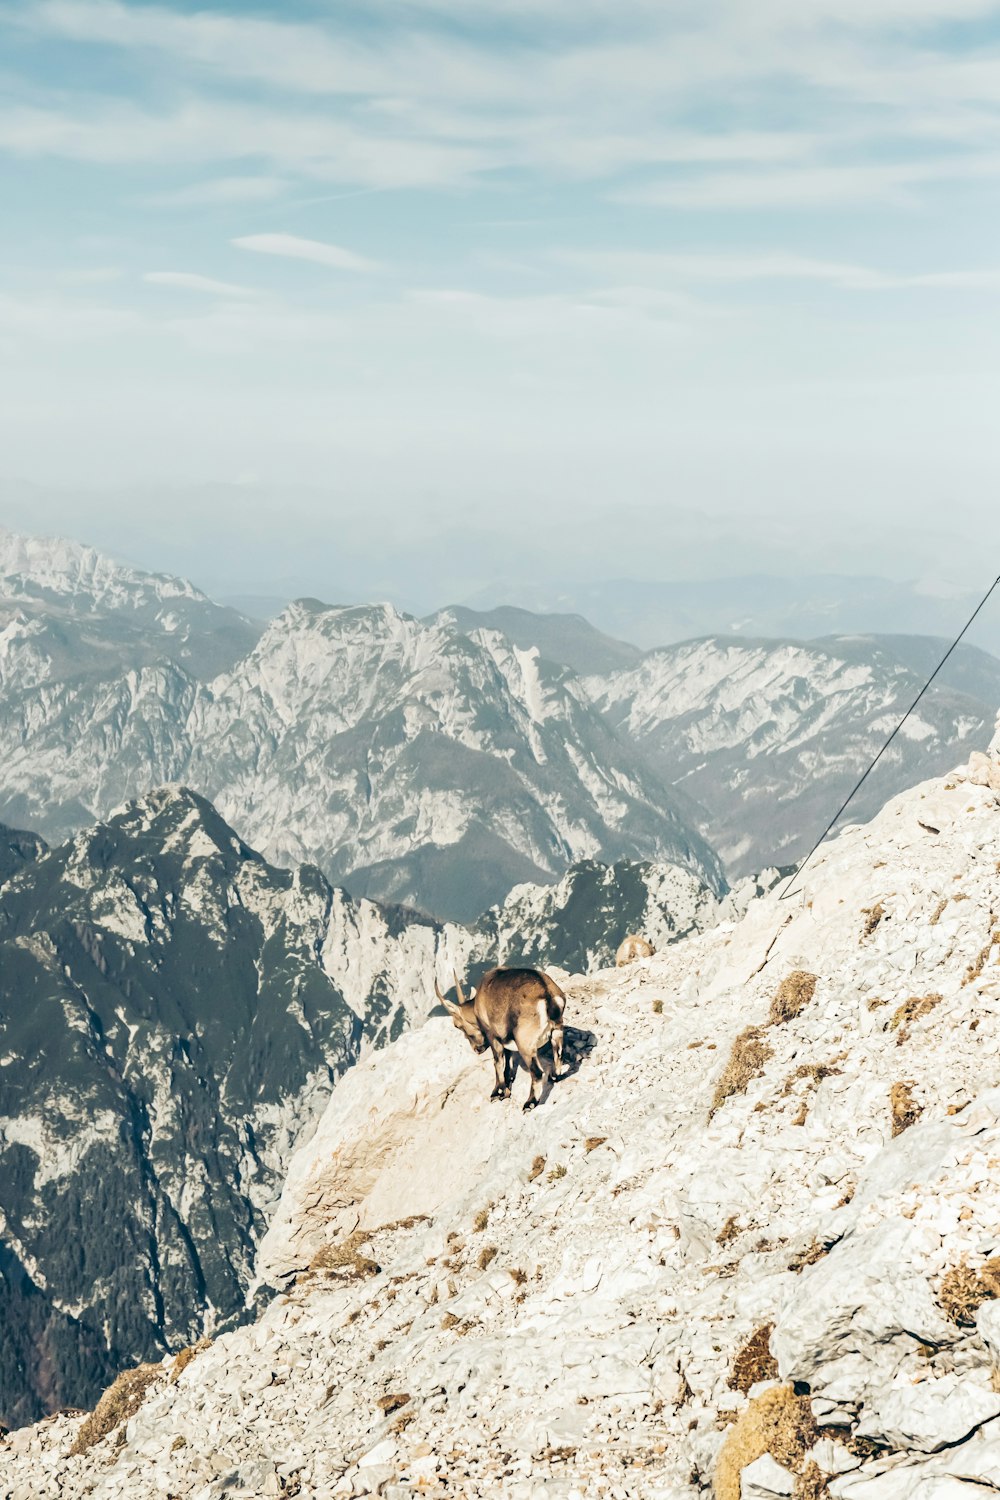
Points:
x=514 y=1010
x=632 y=948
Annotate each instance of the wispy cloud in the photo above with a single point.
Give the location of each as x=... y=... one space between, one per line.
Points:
x=190 y=281
x=610 y=88
x=217 y=191
x=709 y=267
x=292 y=247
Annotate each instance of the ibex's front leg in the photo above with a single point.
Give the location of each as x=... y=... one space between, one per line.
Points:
x=501 y=1063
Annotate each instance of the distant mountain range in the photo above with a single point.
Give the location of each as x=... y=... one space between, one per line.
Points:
x=411 y=761
x=802 y=607
x=769 y=737
x=439 y=762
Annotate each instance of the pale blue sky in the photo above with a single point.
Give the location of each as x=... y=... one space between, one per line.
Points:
x=406 y=265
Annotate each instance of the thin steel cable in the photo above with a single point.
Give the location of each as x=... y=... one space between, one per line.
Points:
x=850 y=798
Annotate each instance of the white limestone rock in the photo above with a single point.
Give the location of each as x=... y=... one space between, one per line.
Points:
x=765 y=1479
x=931 y=1415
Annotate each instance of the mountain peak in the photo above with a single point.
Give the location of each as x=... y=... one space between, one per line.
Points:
x=55 y=567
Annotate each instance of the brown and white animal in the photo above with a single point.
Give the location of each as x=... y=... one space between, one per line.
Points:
x=515 y=1012
x=632 y=948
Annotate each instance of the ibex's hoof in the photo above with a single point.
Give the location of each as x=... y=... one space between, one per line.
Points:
x=530 y=1105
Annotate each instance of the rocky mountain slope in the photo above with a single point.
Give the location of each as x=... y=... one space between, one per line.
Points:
x=569 y=640
x=173 y=1013
x=418 y=764
x=579 y=922
x=748 y=1247
x=17 y=848
x=768 y=737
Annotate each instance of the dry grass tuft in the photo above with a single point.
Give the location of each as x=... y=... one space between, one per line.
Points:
x=793 y=995
x=754 y=1361
x=746 y=1062
x=963 y=1290
x=557 y=1172
x=592 y=1142
x=537 y=1168
x=119 y=1402
x=482 y=1218
x=487 y=1254
x=517 y=1276
x=813 y=1252
x=729 y=1231
x=811 y=1483
x=904 y=1108
x=410 y=1222
x=183 y=1358
x=344 y=1258
x=911 y=1010
x=814 y=1072
x=449 y=1321
x=873 y=916
x=392 y=1402
x=777 y=1422
x=938 y=911
x=978 y=965
x=657 y=1007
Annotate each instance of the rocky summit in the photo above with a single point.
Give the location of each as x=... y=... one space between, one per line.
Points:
x=748 y=1247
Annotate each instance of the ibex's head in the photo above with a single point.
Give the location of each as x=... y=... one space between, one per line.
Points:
x=464 y=1016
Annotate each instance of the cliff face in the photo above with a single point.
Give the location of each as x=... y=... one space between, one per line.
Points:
x=748 y=1245
x=174 y=1013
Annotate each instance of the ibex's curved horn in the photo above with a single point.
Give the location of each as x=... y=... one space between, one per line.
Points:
x=437 y=991
x=458 y=988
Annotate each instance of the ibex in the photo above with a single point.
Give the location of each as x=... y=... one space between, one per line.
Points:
x=632 y=948
x=514 y=1011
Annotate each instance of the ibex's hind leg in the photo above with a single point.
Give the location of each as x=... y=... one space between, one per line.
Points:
x=501 y=1062
x=557 y=1047
x=537 y=1072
